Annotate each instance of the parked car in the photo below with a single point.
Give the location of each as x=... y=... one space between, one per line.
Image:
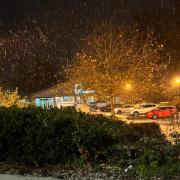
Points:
x=141 y=109
x=102 y=104
x=91 y=104
x=163 y=112
x=125 y=108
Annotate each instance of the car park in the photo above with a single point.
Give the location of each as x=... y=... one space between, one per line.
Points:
x=163 y=112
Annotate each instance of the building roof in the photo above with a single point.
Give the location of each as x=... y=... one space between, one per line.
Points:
x=59 y=90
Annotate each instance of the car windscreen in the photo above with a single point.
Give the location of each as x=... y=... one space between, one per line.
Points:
x=163 y=108
x=148 y=105
x=168 y=107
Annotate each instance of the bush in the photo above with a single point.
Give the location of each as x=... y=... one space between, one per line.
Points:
x=40 y=136
x=157 y=157
x=37 y=136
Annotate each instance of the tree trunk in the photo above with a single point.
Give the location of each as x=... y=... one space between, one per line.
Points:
x=85 y=100
x=112 y=106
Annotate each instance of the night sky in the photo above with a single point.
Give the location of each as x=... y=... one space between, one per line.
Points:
x=38 y=37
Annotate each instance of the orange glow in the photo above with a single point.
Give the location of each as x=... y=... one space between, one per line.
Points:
x=128 y=86
x=178 y=81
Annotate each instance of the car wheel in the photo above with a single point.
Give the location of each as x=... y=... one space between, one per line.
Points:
x=136 y=114
x=119 y=112
x=175 y=116
x=155 y=117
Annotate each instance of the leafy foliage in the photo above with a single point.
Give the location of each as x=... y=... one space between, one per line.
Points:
x=11 y=98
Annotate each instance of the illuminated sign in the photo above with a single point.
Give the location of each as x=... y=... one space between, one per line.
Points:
x=79 y=90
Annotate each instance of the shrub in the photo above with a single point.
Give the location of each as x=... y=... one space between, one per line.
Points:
x=40 y=136
x=157 y=157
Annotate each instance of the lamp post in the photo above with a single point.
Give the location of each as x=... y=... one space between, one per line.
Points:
x=128 y=87
x=178 y=91
x=178 y=85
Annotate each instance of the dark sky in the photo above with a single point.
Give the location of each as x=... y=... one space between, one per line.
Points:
x=37 y=37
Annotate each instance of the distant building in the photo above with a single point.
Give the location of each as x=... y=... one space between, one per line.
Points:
x=59 y=96
x=67 y=95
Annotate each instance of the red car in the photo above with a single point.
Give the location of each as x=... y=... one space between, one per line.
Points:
x=163 y=112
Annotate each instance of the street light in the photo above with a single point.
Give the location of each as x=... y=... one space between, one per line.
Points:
x=128 y=86
x=177 y=81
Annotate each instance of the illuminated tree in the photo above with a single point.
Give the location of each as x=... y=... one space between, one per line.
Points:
x=113 y=55
x=11 y=98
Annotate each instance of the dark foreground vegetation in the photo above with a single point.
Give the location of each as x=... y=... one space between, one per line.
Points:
x=39 y=137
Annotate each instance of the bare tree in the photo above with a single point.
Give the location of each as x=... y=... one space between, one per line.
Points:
x=112 y=56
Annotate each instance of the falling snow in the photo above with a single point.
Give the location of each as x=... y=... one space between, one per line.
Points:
x=39 y=38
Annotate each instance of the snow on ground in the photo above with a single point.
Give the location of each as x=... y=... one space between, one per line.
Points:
x=17 y=177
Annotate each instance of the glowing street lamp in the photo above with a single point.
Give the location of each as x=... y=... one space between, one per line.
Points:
x=128 y=86
x=177 y=81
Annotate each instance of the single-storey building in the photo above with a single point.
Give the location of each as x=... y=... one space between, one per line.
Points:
x=59 y=96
